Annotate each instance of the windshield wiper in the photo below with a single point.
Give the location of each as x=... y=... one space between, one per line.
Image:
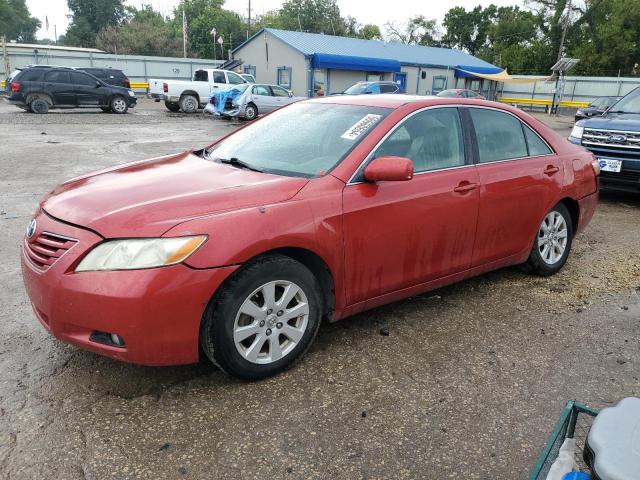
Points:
x=236 y=162
x=618 y=111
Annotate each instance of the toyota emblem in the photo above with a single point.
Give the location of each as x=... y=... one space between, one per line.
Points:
x=31 y=229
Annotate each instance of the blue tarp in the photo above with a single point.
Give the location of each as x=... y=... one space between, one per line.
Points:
x=224 y=95
x=469 y=68
x=347 y=62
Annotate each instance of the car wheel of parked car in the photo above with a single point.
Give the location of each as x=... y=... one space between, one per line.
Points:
x=105 y=109
x=39 y=105
x=172 y=106
x=119 y=105
x=552 y=244
x=250 y=112
x=263 y=319
x=188 y=104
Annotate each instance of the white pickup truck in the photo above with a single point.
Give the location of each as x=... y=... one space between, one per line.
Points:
x=188 y=95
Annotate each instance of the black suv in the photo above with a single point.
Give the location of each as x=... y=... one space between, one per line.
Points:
x=111 y=76
x=38 y=89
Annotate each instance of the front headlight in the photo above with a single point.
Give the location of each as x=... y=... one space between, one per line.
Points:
x=137 y=253
x=577 y=132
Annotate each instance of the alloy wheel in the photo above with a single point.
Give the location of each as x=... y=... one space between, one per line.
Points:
x=119 y=105
x=552 y=238
x=271 y=322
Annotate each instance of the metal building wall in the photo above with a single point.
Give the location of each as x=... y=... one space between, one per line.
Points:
x=138 y=68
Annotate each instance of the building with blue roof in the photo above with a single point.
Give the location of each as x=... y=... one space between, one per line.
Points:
x=312 y=64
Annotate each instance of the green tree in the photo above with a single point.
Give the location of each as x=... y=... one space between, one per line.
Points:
x=88 y=17
x=468 y=30
x=609 y=33
x=317 y=16
x=419 y=30
x=202 y=17
x=144 y=32
x=16 y=22
x=370 y=32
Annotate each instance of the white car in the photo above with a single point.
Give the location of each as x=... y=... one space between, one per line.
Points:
x=188 y=95
x=249 y=101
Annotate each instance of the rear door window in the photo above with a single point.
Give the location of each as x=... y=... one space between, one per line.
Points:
x=58 y=76
x=536 y=145
x=499 y=135
x=386 y=88
x=279 y=92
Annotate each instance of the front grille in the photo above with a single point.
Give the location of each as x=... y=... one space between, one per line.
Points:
x=46 y=248
x=611 y=138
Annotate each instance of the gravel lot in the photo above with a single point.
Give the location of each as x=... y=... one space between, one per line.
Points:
x=467 y=385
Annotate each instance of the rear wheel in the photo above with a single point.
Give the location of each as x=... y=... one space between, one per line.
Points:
x=119 y=105
x=264 y=318
x=172 y=106
x=39 y=105
x=552 y=244
x=189 y=104
x=250 y=112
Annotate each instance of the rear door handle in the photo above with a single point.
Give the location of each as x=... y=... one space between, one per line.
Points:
x=465 y=187
x=550 y=170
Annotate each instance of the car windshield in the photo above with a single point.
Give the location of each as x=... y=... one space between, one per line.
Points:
x=356 y=89
x=628 y=104
x=302 y=140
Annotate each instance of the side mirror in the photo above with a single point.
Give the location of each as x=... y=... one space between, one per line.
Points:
x=389 y=169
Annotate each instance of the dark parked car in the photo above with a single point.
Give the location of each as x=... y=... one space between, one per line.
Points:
x=112 y=76
x=597 y=107
x=39 y=89
x=614 y=138
x=460 y=93
x=362 y=88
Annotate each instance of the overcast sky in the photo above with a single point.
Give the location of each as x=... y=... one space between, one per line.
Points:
x=366 y=11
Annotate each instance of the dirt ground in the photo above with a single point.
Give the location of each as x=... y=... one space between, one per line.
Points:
x=468 y=384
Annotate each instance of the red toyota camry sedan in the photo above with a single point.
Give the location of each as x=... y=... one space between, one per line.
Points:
x=318 y=211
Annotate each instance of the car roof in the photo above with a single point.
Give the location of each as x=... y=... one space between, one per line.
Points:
x=394 y=100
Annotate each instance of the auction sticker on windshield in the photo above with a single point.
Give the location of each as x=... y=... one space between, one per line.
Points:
x=361 y=126
x=609 y=165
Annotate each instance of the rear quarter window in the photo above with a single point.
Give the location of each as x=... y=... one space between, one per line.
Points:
x=34 y=75
x=536 y=145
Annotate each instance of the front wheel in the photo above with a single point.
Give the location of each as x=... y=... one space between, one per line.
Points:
x=250 y=112
x=552 y=244
x=264 y=318
x=119 y=105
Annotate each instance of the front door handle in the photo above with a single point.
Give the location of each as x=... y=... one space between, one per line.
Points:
x=465 y=186
x=551 y=170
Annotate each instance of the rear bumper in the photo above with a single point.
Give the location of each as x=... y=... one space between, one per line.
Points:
x=158 y=96
x=156 y=311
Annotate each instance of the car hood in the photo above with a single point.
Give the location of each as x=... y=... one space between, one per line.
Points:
x=147 y=198
x=614 y=121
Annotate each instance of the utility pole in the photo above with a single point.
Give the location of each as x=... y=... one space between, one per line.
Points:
x=5 y=58
x=564 y=30
x=249 y=21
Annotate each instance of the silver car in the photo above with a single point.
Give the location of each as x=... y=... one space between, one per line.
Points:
x=251 y=101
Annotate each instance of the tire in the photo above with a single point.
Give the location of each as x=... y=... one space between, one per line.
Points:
x=119 y=104
x=188 y=104
x=172 y=106
x=105 y=109
x=552 y=243
x=273 y=337
x=39 y=105
x=250 y=112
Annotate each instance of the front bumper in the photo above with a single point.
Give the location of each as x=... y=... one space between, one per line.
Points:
x=156 y=311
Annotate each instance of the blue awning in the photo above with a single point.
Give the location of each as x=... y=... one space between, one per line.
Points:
x=346 y=62
x=469 y=68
